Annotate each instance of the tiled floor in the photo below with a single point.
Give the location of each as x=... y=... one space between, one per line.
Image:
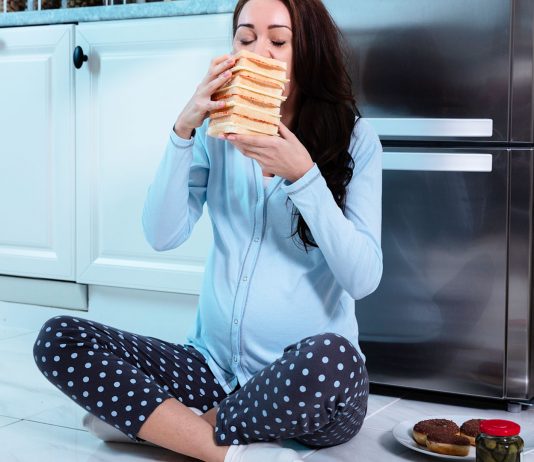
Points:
x=38 y=423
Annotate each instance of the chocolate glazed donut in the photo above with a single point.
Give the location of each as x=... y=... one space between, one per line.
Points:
x=471 y=429
x=424 y=427
x=444 y=442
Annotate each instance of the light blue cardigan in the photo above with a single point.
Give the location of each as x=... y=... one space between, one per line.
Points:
x=261 y=291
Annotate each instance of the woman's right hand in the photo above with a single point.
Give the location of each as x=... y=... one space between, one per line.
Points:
x=200 y=105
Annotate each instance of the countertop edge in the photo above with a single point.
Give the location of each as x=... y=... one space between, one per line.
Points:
x=116 y=12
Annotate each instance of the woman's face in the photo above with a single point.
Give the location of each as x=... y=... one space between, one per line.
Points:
x=264 y=27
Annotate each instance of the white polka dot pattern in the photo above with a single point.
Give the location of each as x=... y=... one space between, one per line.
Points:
x=315 y=393
x=119 y=381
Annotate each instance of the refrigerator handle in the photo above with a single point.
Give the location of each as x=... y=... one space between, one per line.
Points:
x=442 y=128
x=437 y=162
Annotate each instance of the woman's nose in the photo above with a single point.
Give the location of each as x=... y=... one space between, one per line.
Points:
x=263 y=48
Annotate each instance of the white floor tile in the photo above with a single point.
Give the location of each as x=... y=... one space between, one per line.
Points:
x=377 y=403
x=19 y=343
x=8 y=332
x=30 y=442
x=27 y=393
x=370 y=445
x=7 y=421
x=24 y=390
x=29 y=316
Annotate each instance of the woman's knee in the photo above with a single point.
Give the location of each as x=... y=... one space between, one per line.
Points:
x=52 y=334
x=333 y=359
x=327 y=348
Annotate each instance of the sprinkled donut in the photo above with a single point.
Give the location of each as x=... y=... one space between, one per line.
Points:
x=444 y=442
x=424 y=427
x=471 y=429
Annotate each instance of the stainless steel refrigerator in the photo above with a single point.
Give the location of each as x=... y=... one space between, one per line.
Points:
x=448 y=85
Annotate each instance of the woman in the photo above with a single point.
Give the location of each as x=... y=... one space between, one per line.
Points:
x=274 y=351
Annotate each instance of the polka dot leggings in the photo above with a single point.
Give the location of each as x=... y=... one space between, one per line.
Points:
x=315 y=393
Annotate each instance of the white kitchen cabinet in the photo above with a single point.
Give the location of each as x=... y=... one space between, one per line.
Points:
x=138 y=76
x=37 y=157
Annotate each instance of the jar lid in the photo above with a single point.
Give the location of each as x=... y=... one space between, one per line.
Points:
x=498 y=427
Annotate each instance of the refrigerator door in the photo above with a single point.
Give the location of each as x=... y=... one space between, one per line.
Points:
x=430 y=70
x=522 y=117
x=520 y=326
x=437 y=320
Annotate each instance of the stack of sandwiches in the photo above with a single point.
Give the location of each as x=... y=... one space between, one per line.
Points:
x=253 y=96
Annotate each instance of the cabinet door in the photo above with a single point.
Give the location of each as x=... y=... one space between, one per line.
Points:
x=138 y=77
x=37 y=152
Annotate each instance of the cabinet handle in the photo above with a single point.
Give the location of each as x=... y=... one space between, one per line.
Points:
x=78 y=57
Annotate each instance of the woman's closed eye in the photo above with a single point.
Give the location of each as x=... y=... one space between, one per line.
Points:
x=274 y=42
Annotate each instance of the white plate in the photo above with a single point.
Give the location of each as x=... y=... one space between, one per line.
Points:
x=403 y=434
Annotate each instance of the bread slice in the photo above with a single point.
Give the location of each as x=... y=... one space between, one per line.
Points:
x=257 y=96
x=269 y=63
x=267 y=67
x=217 y=129
x=261 y=84
x=232 y=100
x=235 y=123
x=246 y=110
x=275 y=75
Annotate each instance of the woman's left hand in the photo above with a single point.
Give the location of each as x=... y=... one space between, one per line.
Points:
x=284 y=156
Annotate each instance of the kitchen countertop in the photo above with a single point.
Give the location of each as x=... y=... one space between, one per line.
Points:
x=116 y=12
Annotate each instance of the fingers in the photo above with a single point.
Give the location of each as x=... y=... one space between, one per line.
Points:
x=220 y=59
x=250 y=153
x=254 y=152
x=222 y=66
x=258 y=141
x=215 y=105
x=217 y=67
x=285 y=132
x=218 y=82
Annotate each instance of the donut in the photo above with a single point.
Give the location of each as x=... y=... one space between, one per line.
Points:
x=471 y=429
x=444 y=442
x=422 y=428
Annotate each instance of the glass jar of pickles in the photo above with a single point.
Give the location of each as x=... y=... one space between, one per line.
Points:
x=499 y=441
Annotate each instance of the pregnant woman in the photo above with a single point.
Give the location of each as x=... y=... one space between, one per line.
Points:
x=274 y=352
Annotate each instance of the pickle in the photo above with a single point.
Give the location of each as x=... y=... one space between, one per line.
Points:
x=500 y=452
x=511 y=458
x=490 y=444
x=484 y=455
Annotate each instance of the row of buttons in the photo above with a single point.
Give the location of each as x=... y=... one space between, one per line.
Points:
x=236 y=321
x=245 y=278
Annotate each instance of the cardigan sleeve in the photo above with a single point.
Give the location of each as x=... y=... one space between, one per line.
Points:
x=176 y=197
x=349 y=241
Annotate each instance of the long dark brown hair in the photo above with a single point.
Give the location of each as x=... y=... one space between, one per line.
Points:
x=326 y=110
